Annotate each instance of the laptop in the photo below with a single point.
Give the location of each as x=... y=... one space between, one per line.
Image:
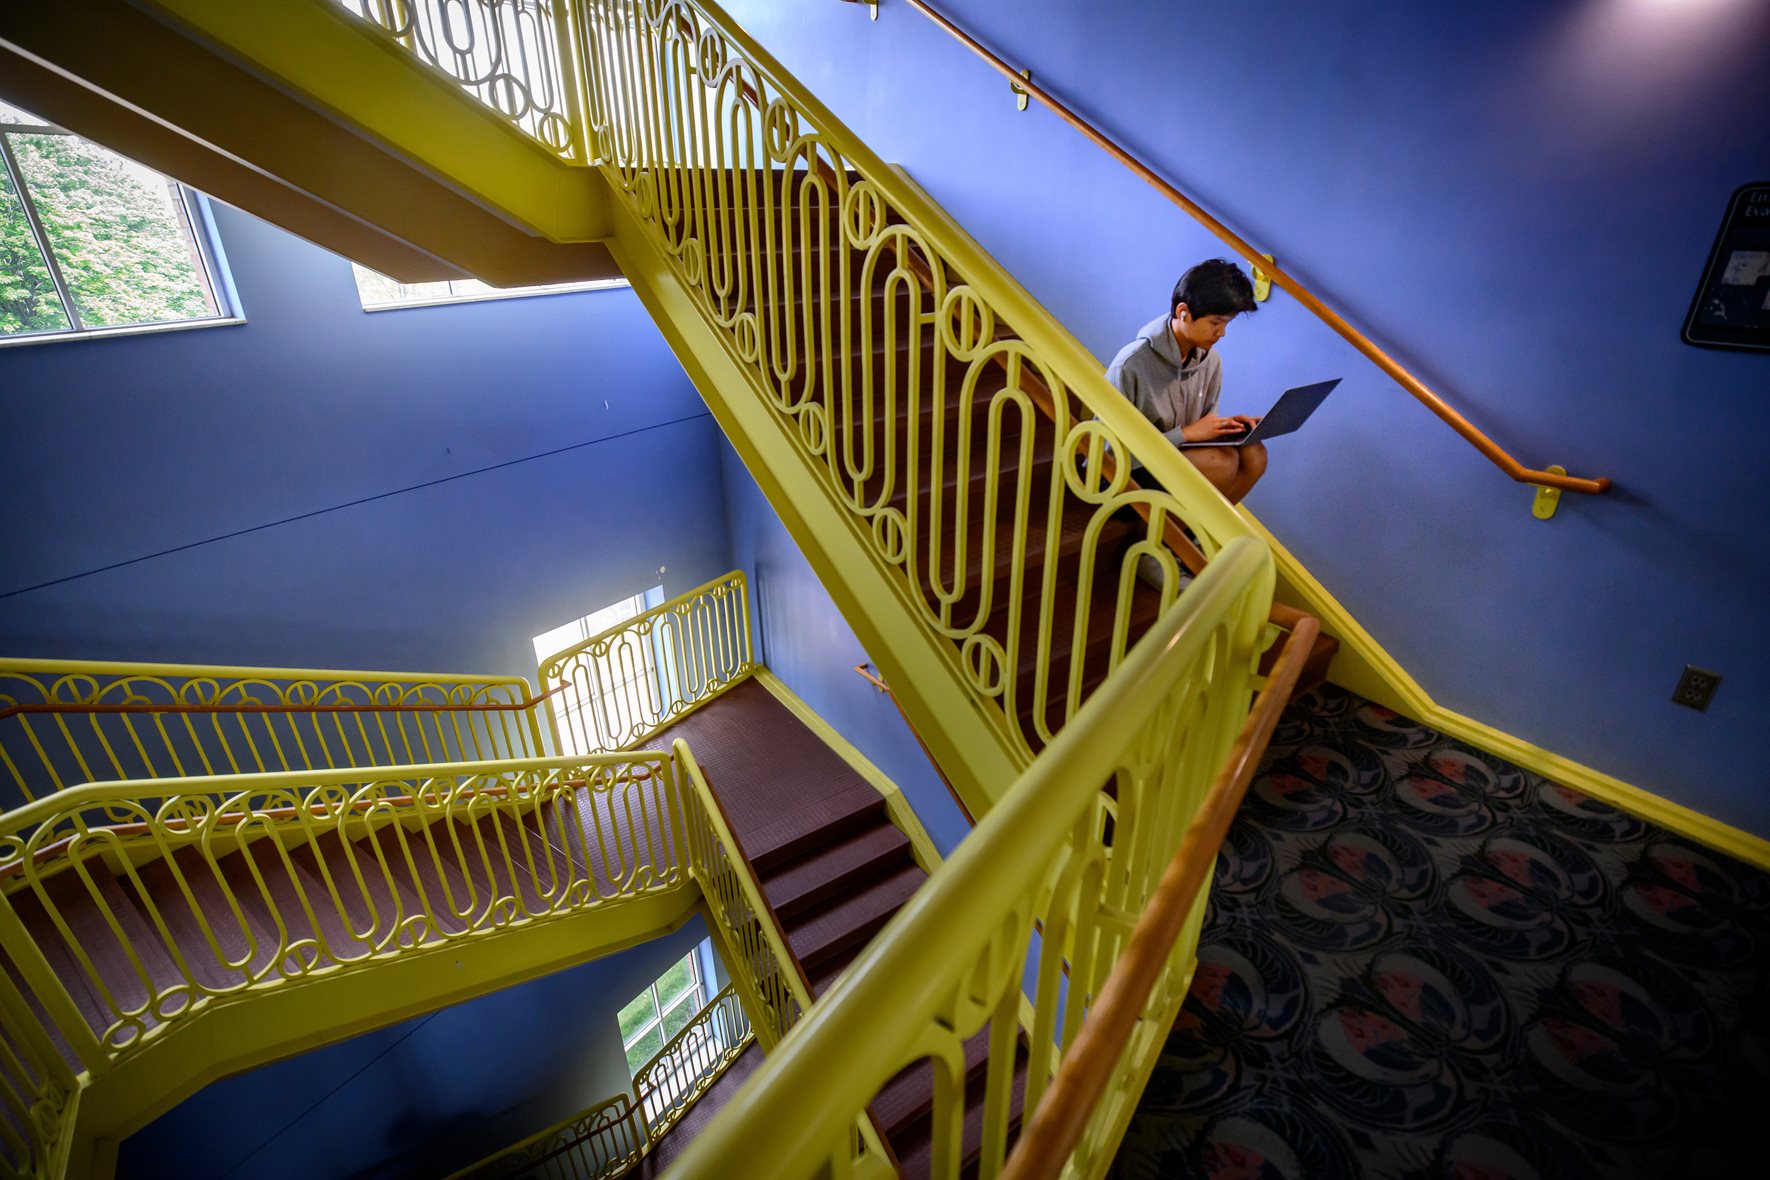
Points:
x=1292 y=410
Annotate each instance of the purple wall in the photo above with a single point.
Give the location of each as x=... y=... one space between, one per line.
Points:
x=1516 y=199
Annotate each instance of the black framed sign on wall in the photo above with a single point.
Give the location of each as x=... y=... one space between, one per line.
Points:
x=1732 y=305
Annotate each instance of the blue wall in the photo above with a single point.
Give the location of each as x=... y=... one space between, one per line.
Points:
x=287 y=474
x=1517 y=199
x=804 y=640
x=420 y=1098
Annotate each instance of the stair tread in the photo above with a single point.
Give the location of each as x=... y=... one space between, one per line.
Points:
x=852 y=917
x=372 y=901
x=783 y=790
x=218 y=945
x=910 y=1095
x=914 y=1146
x=831 y=969
x=830 y=869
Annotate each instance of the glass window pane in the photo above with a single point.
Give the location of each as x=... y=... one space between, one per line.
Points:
x=118 y=230
x=677 y=1018
x=636 y=1014
x=28 y=302
x=644 y=1049
x=678 y=979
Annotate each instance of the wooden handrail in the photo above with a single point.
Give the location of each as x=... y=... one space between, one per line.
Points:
x=878 y=682
x=79 y=707
x=1494 y=452
x=1062 y=1115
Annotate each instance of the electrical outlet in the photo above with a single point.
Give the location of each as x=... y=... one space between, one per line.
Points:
x=1696 y=688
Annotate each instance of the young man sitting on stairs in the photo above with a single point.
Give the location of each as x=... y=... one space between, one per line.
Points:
x=1172 y=375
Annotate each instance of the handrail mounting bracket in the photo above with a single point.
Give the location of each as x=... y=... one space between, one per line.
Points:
x=1547 y=499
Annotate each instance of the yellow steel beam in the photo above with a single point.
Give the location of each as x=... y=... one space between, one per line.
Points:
x=344 y=66
x=119 y=74
x=47 y=92
x=282 y=1021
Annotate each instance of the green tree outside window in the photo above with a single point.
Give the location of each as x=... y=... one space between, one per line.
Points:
x=118 y=234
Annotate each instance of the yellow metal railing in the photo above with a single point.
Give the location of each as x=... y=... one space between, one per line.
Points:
x=515 y=56
x=1047 y=889
x=762 y=968
x=619 y=687
x=601 y=1143
x=64 y=722
x=692 y=1061
x=971 y=441
x=201 y=892
x=609 y=1139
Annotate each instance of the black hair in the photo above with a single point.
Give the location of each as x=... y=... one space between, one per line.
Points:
x=1215 y=286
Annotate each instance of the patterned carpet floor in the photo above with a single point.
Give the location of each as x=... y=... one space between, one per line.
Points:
x=1420 y=960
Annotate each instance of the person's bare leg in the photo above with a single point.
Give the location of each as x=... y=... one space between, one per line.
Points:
x=1220 y=465
x=1251 y=467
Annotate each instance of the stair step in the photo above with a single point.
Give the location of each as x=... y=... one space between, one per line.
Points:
x=1097 y=645
x=793 y=837
x=851 y=919
x=439 y=887
x=829 y=971
x=209 y=935
x=834 y=868
x=287 y=891
x=914 y=1145
x=1001 y=563
x=910 y=1095
x=373 y=901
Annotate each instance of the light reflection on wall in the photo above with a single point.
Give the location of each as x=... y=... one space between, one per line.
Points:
x=1633 y=67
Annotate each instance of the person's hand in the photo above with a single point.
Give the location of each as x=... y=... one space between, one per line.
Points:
x=1212 y=427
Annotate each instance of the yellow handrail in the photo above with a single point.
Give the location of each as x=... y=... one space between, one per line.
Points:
x=767 y=975
x=1492 y=450
x=1098 y=1065
x=691 y=1061
x=971 y=441
x=64 y=722
x=1046 y=889
x=616 y=689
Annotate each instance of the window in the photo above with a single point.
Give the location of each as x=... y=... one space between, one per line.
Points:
x=380 y=293
x=622 y=689
x=92 y=242
x=665 y=1008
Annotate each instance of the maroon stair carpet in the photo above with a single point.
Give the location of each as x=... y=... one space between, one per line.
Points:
x=832 y=866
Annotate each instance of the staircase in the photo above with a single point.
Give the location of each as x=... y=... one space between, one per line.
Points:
x=832 y=867
x=956 y=469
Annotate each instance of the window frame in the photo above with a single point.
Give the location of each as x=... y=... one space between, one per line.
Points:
x=496 y=293
x=612 y=700
x=697 y=989
x=191 y=204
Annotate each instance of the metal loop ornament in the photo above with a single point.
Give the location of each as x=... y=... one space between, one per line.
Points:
x=780 y=126
x=966 y=323
x=863 y=214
